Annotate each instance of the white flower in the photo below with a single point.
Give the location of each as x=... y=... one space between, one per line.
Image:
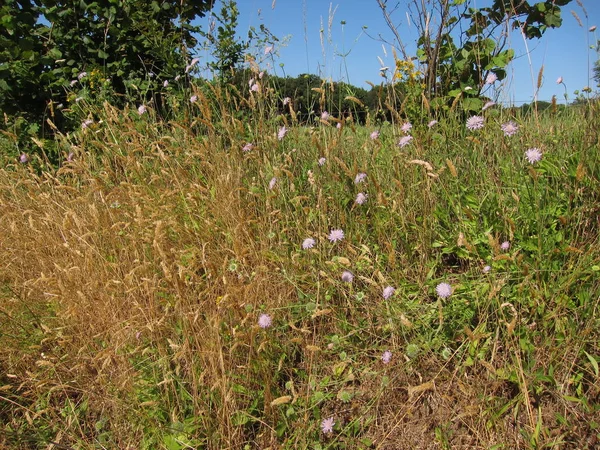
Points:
x=361 y=198
x=388 y=292
x=308 y=243
x=264 y=321
x=404 y=141
x=444 y=290
x=327 y=425
x=386 y=357
x=360 y=177
x=533 y=155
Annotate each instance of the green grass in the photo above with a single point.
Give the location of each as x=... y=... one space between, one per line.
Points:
x=144 y=265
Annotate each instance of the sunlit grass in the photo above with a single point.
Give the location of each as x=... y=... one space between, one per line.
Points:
x=172 y=287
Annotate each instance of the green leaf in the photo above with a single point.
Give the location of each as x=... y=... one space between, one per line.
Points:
x=171 y=443
x=472 y=104
x=102 y=54
x=344 y=396
x=553 y=20
x=593 y=362
x=55 y=53
x=240 y=418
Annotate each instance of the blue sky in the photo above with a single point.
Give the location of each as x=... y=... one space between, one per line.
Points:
x=348 y=52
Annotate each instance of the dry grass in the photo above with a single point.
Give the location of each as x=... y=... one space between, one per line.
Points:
x=137 y=273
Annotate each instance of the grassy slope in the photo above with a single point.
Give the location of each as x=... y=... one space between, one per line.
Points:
x=143 y=266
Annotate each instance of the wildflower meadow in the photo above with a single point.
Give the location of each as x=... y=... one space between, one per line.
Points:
x=230 y=274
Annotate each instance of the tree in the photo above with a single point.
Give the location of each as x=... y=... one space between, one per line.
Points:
x=228 y=50
x=122 y=38
x=460 y=44
x=46 y=44
x=23 y=57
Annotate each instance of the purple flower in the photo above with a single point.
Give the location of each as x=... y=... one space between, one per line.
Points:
x=487 y=269
x=432 y=123
x=509 y=128
x=255 y=87
x=268 y=49
x=375 y=135
x=406 y=127
x=82 y=75
x=488 y=105
x=141 y=109
x=327 y=425
x=347 y=276
x=339 y=125
x=282 y=132
x=248 y=147
x=559 y=80
x=336 y=235
x=388 y=292
x=324 y=115
x=73 y=83
x=261 y=75
x=272 y=183
x=264 y=321
x=308 y=243
x=166 y=83
x=87 y=123
x=70 y=156
x=177 y=77
x=23 y=159
x=361 y=198
x=491 y=78
x=193 y=99
x=386 y=357
x=322 y=160
x=533 y=155
x=360 y=177
x=475 y=123
x=404 y=141
x=286 y=101
x=505 y=246
x=444 y=290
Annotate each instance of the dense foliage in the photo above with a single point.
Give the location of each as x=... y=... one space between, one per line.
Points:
x=461 y=45
x=48 y=46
